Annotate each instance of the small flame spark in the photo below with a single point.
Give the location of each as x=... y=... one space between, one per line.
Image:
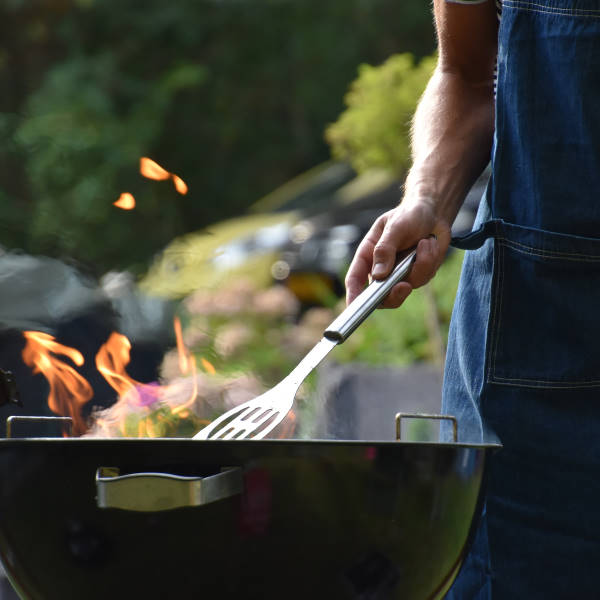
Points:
x=126 y=201
x=152 y=170
x=180 y=185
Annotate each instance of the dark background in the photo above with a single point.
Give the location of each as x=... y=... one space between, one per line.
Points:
x=231 y=95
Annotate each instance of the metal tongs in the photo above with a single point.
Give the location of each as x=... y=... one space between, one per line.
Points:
x=256 y=418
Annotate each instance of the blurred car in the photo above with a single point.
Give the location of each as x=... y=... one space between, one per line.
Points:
x=315 y=259
x=246 y=245
x=302 y=235
x=320 y=246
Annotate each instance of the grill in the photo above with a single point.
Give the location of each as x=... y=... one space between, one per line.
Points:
x=180 y=518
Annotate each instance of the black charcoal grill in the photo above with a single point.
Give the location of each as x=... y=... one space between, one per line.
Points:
x=179 y=518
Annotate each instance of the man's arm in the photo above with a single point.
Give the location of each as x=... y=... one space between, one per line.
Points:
x=451 y=142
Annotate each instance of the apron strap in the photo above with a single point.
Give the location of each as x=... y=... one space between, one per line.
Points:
x=476 y=238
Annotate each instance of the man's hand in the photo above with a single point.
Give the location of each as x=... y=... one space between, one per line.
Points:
x=410 y=224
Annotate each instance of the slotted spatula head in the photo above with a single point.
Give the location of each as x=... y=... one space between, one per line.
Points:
x=253 y=419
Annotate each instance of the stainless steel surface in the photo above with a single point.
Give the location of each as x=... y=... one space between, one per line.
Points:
x=401 y=416
x=154 y=492
x=364 y=304
x=256 y=418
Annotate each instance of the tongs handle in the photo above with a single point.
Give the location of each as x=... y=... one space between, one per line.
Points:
x=367 y=301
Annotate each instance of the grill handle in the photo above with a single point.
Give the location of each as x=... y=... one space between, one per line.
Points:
x=367 y=301
x=154 y=492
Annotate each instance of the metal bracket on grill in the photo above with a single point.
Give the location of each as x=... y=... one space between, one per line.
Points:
x=16 y=419
x=401 y=416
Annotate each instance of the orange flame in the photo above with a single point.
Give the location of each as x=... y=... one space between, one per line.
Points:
x=208 y=367
x=180 y=185
x=182 y=352
x=187 y=364
x=152 y=170
x=69 y=391
x=111 y=360
x=126 y=201
x=114 y=356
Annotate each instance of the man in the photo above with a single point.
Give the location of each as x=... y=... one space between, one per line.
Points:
x=523 y=347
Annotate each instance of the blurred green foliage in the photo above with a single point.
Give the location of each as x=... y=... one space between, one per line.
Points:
x=374 y=130
x=241 y=328
x=232 y=96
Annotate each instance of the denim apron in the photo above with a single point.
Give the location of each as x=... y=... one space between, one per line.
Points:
x=523 y=358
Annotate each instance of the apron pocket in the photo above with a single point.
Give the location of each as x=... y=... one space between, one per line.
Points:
x=544 y=330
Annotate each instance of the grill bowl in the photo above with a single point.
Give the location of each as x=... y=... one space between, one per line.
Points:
x=331 y=519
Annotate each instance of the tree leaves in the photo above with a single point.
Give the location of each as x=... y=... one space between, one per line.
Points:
x=232 y=96
x=374 y=130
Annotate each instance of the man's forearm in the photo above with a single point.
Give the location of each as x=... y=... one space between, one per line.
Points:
x=452 y=138
x=451 y=141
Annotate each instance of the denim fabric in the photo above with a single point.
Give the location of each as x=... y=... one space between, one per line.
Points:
x=524 y=355
x=464 y=376
x=547 y=122
x=540 y=535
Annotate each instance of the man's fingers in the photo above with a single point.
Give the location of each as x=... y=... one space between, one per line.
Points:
x=430 y=255
x=391 y=233
x=397 y=295
x=402 y=231
x=386 y=249
x=357 y=276
x=423 y=269
x=426 y=262
x=362 y=263
x=384 y=259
